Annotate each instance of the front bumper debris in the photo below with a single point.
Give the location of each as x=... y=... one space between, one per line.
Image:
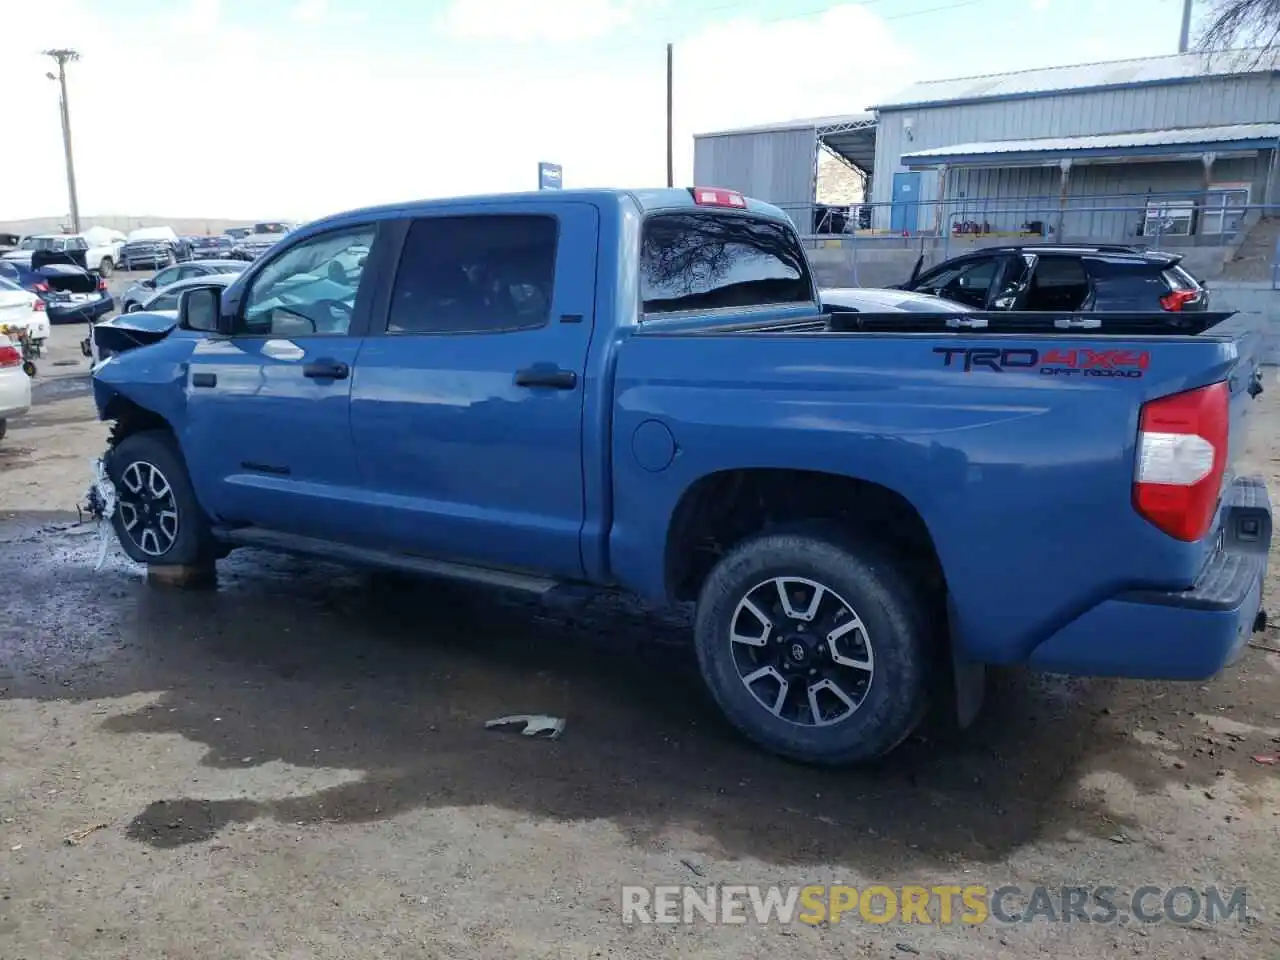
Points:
x=100 y=505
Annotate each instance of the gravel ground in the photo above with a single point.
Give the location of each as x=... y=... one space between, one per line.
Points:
x=295 y=766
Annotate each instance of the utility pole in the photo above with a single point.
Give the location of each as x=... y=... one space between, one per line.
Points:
x=1184 y=38
x=671 y=172
x=63 y=57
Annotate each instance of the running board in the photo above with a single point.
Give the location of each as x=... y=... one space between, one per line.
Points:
x=368 y=557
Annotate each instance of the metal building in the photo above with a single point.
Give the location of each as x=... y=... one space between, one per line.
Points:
x=1175 y=146
x=778 y=162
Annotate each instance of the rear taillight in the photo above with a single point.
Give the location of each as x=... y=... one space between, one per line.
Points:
x=1177 y=299
x=10 y=357
x=41 y=287
x=1182 y=459
x=102 y=285
x=37 y=305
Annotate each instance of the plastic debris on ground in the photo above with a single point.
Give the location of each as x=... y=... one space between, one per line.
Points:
x=535 y=724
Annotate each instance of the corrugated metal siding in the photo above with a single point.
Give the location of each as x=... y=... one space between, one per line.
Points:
x=1210 y=103
x=996 y=197
x=777 y=167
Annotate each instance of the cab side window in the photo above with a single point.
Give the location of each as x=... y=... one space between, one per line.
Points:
x=309 y=289
x=475 y=274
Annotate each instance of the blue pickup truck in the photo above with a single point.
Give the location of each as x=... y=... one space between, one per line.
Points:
x=639 y=390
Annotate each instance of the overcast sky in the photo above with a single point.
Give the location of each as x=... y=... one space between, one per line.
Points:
x=297 y=108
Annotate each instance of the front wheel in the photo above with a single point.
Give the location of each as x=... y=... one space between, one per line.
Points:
x=157 y=517
x=814 y=646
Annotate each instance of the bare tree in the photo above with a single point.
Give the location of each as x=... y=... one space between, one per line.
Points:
x=1242 y=23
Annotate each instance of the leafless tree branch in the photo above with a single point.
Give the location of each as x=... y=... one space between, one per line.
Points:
x=1235 y=24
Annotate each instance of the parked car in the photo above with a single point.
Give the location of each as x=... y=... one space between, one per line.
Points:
x=9 y=242
x=212 y=248
x=153 y=247
x=639 y=390
x=1065 y=278
x=24 y=310
x=143 y=290
x=15 y=385
x=100 y=257
x=238 y=233
x=876 y=300
x=166 y=298
x=70 y=293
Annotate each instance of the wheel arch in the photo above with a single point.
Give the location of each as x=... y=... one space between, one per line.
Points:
x=722 y=508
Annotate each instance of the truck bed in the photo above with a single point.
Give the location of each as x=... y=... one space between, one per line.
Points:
x=1017 y=449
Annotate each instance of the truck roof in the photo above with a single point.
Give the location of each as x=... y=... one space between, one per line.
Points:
x=649 y=200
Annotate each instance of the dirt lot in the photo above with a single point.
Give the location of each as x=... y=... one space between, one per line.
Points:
x=295 y=766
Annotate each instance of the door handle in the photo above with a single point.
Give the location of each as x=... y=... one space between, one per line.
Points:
x=547 y=377
x=326 y=369
x=204 y=379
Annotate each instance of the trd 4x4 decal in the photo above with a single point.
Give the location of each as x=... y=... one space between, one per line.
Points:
x=1056 y=362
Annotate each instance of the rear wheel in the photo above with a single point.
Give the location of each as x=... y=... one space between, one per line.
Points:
x=105 y=267
x=157 y=516
x=814 y=646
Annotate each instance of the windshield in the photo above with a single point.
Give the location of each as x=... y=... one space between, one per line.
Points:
x=43 y=243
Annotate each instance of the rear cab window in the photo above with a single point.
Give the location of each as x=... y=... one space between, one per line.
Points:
x=713 y=261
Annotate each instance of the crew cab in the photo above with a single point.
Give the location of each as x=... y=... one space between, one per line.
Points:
x=639 y=390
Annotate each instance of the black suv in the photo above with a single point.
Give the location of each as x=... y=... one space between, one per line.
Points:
x=1064 y=278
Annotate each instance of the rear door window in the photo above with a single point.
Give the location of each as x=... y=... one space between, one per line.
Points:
x=475 y=274
x=700 y=261
x=1058 y=283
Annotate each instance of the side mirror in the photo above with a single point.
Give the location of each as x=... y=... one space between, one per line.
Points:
x=149 y=283
x=133 y=308
x=200 y=308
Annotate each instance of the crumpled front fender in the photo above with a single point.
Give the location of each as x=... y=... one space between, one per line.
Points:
x=153 y=377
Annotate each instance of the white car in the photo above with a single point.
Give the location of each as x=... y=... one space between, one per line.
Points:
x=15 y=385
x=23 y=309
x=101 y=250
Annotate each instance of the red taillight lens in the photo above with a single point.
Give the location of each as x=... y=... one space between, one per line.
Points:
x=1177 y=299
x=1182 y=459
x=10 y=357
x=37 y=305
x=41 y=287
x=102 y=285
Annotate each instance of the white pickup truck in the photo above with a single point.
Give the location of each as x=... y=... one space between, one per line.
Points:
x=101 y=249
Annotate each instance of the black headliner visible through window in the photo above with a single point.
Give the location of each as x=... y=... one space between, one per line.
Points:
x=699 y=261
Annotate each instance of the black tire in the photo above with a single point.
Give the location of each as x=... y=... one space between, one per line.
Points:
x=189 y=541
x=4 y=428
x=105 y=267
x=896 y=638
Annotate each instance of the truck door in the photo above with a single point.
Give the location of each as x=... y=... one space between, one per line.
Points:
x=268 y=434
x=467 y=404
